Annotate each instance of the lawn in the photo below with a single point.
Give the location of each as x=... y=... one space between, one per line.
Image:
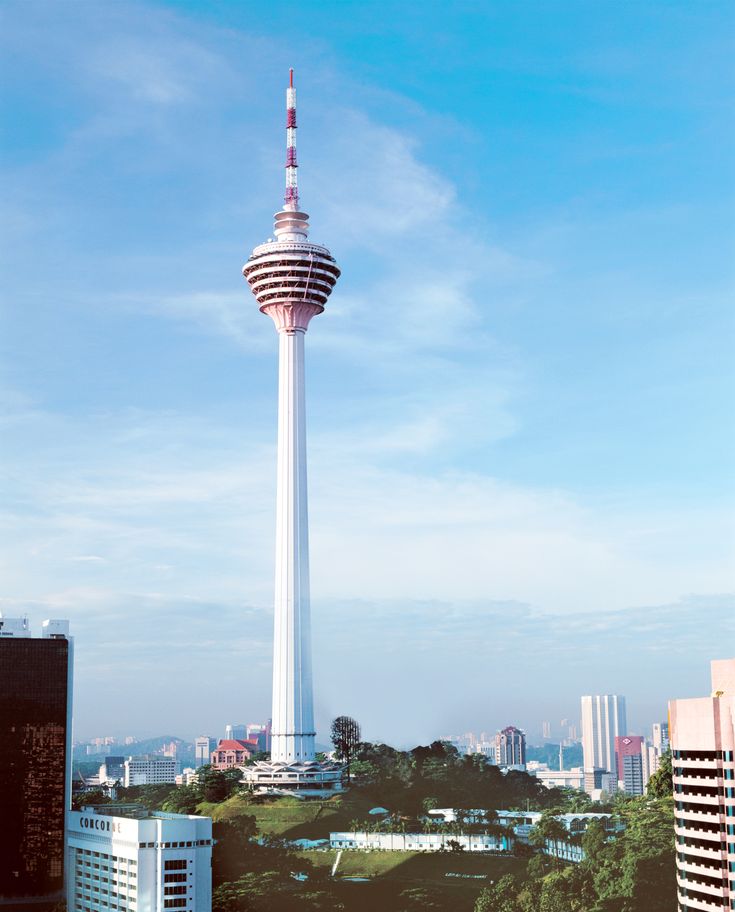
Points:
x=421 y=866
x=396 y=875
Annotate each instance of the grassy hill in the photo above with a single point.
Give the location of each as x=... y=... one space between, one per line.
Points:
x=292 y=818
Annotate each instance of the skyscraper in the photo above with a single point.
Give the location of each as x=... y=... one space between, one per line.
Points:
x=291 y=279
x=510 y=748
x=629 y=763
x=203 y=748
x=35 y=761
x=703 y=748
x=603 y=720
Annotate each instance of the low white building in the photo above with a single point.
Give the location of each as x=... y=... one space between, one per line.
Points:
x=419 y=842
x=149 y=769
x=188 y=776
x=573 y=778
x=128 y=859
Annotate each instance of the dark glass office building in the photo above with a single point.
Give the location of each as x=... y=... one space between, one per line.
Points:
x=35 y=740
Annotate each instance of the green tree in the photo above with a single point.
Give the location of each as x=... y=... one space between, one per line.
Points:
x=549 y=829
x=661 y=784
x=594 y=840
x=501 y=897
x=345 y=738
x=568 y=890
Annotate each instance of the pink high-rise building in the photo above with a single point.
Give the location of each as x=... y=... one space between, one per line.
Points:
x=629 y=763
x=702 y=732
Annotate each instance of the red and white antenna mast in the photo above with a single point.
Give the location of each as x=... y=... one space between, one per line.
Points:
x=292 y=184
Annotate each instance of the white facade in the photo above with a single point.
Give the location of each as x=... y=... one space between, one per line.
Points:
x=703 y=758
x=419 y=842
x=152 y=863
x=203 y=748
x=188 y=776
x=151 y=769
x=573 y=778
x=603 y=720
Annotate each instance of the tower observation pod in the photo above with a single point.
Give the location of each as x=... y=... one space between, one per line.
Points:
x=291 y=280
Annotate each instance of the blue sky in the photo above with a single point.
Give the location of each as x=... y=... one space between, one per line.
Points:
x=520 y=395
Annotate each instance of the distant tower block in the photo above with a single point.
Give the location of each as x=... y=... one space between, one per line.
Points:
x=291 y=280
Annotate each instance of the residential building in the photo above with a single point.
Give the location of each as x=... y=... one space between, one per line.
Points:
x=510 y=748
x=703 y=756
x=236 y=731
x=231 y=752
x=35 y=761
x=546 y=730
x=188 y=776
x=129 y=858
x=629 y=764
x=603 y=720
x=203 y=748
x=149 y=769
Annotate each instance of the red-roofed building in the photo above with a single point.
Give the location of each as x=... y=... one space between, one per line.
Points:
x=230 y=752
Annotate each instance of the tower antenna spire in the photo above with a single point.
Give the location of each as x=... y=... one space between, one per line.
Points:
x=291 y=197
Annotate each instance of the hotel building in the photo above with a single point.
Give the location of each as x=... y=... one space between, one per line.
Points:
x=702 y=734
x=129 y=859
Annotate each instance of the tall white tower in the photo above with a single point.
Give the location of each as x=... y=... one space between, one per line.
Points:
x=603 y=720
x=291 y=280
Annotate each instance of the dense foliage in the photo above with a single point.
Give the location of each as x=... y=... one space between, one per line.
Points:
x=412 y=782
x=631 y=872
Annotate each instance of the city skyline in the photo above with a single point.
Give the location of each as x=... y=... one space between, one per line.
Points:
x=510 y=399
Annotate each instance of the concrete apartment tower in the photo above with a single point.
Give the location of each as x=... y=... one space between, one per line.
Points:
x=702 y=732
x=291 y=279
x=603 y=720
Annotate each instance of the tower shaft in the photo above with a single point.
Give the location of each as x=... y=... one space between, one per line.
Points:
x=292 y=279
x=293 y=711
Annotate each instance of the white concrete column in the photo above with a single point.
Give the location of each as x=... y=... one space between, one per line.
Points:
x=293 y=711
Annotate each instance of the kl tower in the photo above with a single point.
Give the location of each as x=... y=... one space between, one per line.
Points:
x=291 y=280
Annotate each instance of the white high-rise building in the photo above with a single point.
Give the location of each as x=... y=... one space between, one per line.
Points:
x=203 y=748
x=703 y=760
x=661 y=736
x=603 y=720
x=149 y=769
x=291 y=279
x=128 y=858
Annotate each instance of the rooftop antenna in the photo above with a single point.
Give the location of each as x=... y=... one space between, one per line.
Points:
x=291 y=197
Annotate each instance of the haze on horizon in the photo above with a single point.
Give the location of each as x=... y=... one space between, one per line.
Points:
x=520 y=394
